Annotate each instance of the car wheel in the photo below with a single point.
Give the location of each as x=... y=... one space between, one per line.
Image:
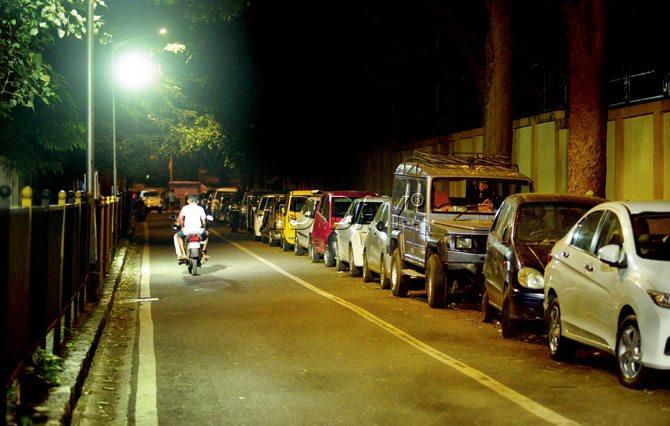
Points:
x=632 y=373
x=559 y=347
x=399 y=284
x=489 y=312
x=341 y=266
x=329 y=254
x=354 y=271
x=506 y=320
x=384 y=281
x=436 y=282
x=285 y=246
x=314 y=257
x=368 y=277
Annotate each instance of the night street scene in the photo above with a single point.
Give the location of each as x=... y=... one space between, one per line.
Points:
x=319 y=212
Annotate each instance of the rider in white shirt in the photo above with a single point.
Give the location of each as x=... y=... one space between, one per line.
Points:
x=192 y=219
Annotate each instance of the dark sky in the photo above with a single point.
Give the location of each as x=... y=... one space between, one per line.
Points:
x=304 y=84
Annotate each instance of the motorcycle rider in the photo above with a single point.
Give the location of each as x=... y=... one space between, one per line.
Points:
x=192 y=220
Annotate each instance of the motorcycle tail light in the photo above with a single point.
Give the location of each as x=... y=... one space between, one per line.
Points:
x=193 y=238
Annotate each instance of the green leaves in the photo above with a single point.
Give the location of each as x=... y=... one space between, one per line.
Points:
x=28 y=27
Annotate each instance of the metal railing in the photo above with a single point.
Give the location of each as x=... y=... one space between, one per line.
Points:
x=50 y=267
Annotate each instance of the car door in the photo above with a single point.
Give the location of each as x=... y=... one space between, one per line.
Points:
x=411 y=225
x=421 y=226
x=499 y=252
x=399 y=205
x=575 y=258
x=320 y=224
x=375 y=239
x=597 y=292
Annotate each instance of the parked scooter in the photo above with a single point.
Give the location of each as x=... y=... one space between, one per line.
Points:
x=194 y=246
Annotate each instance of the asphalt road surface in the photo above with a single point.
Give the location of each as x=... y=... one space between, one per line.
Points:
x=263 y=336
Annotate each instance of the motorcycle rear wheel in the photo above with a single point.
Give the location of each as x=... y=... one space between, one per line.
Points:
x=193 y=266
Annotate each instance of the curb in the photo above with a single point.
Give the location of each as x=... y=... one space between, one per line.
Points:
x=59 y=405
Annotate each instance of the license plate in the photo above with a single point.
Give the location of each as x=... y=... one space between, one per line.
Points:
x=195 y=245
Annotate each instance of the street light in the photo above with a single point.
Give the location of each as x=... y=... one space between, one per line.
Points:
x=133 y=71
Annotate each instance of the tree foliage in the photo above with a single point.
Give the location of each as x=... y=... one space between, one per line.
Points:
x=27 y=28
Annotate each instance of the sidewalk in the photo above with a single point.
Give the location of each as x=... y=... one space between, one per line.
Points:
x=78 y=356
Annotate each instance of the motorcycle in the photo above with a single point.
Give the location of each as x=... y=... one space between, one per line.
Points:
x=194 y=247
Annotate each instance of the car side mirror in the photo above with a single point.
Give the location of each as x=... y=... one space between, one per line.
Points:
x=612 y=255
x=381 y=226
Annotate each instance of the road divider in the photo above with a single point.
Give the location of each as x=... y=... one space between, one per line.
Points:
x=483 y=379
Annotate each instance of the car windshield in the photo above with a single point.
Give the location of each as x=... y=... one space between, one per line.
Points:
x=297 y=203
x=652 y=235
x=546 y=222
x=366 y=212
x=150 y=194
x=481 y=195
x=340 y=206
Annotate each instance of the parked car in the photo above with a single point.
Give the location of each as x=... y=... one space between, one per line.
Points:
x=376 y=256
x=296 y=201
x=248 y=207
x=351 y=232
x=153 y=199
x=223 y=198
x=333 y=206
x=607 y=286
x=523 y=233
x=262 y=214
x=442 y=208
x=303 y=224
x=271 y=231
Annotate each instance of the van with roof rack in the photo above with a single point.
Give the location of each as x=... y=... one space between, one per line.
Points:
x=442 y=208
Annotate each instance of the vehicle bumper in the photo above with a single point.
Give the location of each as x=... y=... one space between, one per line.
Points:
x=655 y=330
x=527 y=306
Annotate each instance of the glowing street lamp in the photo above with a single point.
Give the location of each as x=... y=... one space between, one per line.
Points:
x=133 y=71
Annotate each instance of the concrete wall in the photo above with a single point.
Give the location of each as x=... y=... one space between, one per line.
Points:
x=638 y=153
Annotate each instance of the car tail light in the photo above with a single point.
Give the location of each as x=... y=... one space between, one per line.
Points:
x=193 y=238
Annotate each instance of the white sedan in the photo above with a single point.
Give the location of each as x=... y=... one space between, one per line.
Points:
x=607 y=286
x=351 y=232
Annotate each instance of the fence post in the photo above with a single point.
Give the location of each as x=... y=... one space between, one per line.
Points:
x=67 y=321
x=5 y=193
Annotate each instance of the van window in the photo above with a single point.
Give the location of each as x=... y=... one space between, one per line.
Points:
x=340 y=206
x=297 y=203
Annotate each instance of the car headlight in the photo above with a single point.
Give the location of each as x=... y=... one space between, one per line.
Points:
x=661 y=299
x=530 y=278
x=463 y=243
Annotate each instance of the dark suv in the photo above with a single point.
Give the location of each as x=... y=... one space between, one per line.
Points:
x=442 y=208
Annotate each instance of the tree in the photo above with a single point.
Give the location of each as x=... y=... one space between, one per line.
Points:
x=585 y=22
x=497 y=85
x=26 y=30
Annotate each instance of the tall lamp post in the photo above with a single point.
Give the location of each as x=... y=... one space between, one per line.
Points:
x=132 y=66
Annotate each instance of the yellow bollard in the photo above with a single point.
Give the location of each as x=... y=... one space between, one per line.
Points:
x=62 y=195
x=77 y=197
x=26 y=197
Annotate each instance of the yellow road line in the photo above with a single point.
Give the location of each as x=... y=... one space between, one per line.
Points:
x=478 y=376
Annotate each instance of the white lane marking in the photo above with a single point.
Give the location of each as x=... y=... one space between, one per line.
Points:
x=521 y=400
x=146 y=407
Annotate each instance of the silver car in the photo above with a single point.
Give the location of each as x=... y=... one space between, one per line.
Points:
x=303 y=225
x=351 y=232
x=376 y=256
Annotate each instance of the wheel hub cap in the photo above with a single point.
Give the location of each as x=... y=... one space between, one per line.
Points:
x=554 y=329
x=630 y=352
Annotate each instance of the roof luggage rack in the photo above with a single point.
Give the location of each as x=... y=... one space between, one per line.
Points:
x=461 y=159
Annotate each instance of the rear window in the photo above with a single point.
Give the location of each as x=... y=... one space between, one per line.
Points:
x=366 y=212
x=151 y=194
x=340 y=206
x=546 y=222
x=297 y=203
x=652 y=235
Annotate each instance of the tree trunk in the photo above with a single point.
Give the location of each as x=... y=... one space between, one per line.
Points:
x=498 y=84
x=587 y=112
